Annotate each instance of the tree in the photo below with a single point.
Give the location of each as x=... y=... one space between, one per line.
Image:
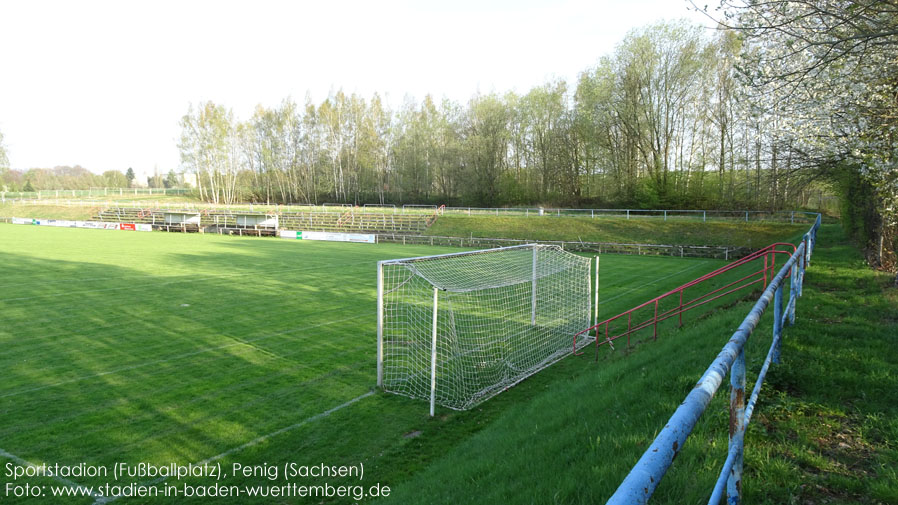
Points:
x=171 y=179
x=28 y=188
x=831 y=69
x=115 y=179
x=542 y=114
x=641 y=116
x=486 y=142
x=156 y=180
x=660 y=122
x=130 y=176
x=381 y=145
x=210 y=148
x=4 y=158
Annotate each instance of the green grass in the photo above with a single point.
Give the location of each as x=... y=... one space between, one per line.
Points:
x=123 y=346
x=156 y=347
x=75 y=213
x=645 y=230
x=824 y=431
x=89 y=208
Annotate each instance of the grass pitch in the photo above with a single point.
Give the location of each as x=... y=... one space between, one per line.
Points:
x=754 y=234
x=824 y=429
x=168 y=348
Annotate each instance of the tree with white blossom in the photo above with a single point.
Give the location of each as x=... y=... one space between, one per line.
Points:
x=828 y=70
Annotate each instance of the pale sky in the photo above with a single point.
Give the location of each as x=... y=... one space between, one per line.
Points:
x=102 y=84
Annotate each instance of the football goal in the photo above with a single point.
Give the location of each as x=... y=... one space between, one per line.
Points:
x=460 y=328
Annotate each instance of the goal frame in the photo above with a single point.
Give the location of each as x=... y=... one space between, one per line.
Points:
x=592 y=313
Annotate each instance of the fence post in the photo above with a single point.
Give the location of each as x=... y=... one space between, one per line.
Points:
x=804 y=265
x=737 y=428
x=793 y=296
x=629 y=321
x=704 y=216
x=681 y=307
x=628 y=213
x=807 y=249
x=765 y=272
x=665 y=215
x=777 y=322
x=813 y=243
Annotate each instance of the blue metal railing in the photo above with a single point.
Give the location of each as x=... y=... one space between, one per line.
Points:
x=645 y=476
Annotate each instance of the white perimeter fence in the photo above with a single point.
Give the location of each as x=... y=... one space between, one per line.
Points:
x=683 y=251
x=665 y=214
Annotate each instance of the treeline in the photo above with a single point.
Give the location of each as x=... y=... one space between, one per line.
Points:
x=63 y=177
x=829 y=73
x=78 y=177
x=658 y=123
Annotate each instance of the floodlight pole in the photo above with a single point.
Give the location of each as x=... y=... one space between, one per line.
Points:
x=533 y=291
x=433 y=356
x=380 y=324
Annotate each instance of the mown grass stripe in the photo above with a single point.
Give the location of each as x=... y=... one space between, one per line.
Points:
x=163 y=360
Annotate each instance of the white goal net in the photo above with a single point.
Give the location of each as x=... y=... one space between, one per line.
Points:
x=459 y=328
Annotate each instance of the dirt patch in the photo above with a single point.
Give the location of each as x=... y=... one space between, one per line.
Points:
x=847 y=450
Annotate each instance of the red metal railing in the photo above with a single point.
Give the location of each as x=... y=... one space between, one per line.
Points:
x=766 y=255
x=346 y=216
x=433 y=217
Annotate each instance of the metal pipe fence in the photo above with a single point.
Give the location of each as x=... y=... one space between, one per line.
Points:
x=665 y=214
x=794 y=217
x=702 y=291
x=645 y=476
x=683 y=251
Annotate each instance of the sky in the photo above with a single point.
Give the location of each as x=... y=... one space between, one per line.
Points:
x=103 y=84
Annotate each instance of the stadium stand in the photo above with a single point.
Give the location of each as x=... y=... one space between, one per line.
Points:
x=231 y=222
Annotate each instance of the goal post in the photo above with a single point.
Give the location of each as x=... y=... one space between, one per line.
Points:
x=457 y=329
